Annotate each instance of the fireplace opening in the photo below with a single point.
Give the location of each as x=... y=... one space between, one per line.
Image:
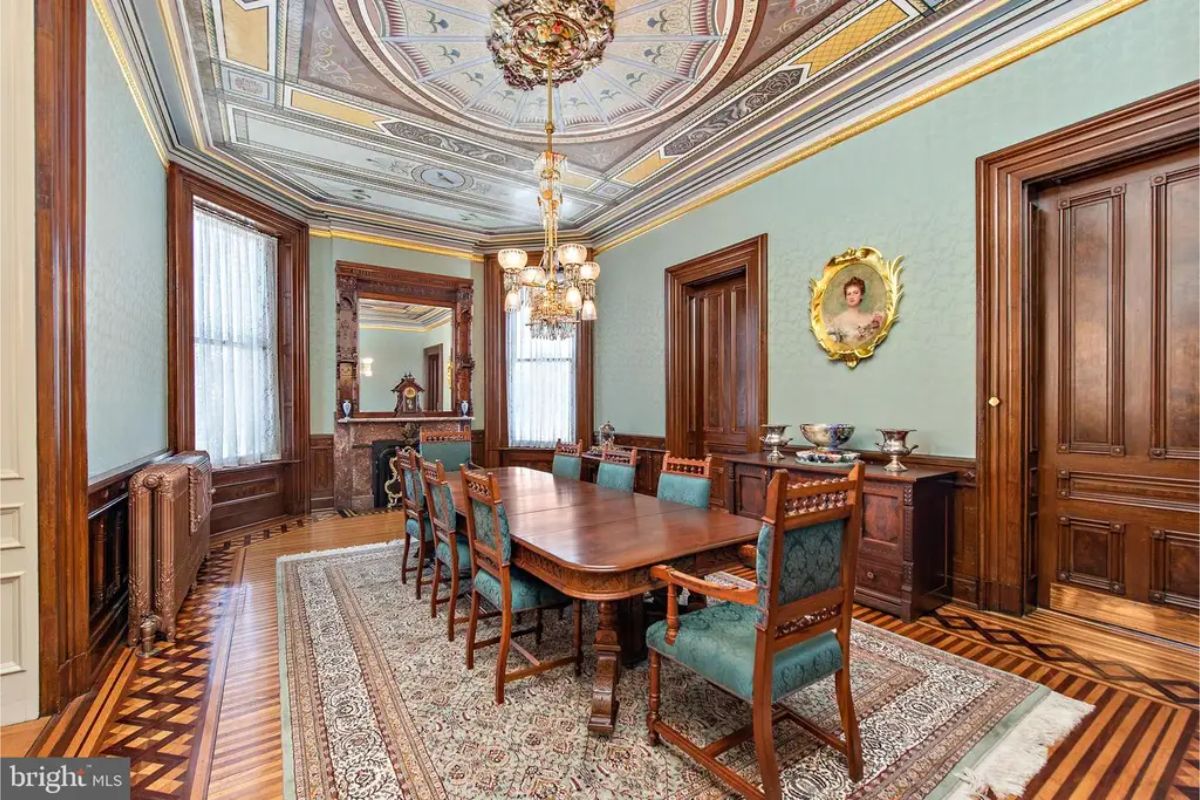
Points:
x=381 y=469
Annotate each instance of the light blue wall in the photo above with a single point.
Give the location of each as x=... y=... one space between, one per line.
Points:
x=324 y=253
x=907 y=188
x=126 y=289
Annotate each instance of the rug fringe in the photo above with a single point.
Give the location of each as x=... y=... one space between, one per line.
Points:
x=1009 y=767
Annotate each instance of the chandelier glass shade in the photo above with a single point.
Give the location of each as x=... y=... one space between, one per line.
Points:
x=551 y=42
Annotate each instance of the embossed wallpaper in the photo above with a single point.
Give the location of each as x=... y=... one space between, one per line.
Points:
x=907 y=188
x=126 y=251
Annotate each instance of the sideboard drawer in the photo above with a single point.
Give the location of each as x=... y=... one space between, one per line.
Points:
x=879 y=577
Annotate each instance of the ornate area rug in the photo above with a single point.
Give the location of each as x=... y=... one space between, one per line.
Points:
x=377 y=704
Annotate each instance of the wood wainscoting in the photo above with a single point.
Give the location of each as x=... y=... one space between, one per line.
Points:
x=320 y=469
x=108 y=560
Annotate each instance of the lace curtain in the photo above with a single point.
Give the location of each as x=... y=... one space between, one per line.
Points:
x=235 y=341
x=541 y=385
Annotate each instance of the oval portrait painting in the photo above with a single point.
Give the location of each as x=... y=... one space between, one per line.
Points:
x=854 y=303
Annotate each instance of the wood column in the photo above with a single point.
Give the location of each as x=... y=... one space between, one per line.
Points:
x=60 y=118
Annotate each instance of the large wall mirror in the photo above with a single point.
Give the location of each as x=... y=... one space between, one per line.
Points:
x=403 y=342
x=397 y=340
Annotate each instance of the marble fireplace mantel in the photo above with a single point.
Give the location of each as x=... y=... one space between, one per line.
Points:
x=352 y=440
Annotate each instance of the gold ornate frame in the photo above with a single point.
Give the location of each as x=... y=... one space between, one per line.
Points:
x=889 y=273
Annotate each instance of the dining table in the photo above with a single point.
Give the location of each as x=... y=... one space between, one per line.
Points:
x=599 y=544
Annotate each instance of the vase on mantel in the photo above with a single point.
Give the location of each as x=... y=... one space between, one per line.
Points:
x=895 y=444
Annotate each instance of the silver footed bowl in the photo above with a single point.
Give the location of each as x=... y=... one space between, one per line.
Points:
x=827 y=435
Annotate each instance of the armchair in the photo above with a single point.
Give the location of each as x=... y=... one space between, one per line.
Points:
x=766 y=642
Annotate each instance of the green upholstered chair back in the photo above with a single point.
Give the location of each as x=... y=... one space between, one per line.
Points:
x=487 y=522
x=616 y=476
x=812 y=562
x=452 y=454
x=414 y=491
x=441 y=499
x=566 y=466
x=568 y=459
x=684 y=489
x=685 y=480
x=803 y=546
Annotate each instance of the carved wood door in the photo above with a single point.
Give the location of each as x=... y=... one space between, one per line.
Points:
x=720 y=371
x=1117 y=263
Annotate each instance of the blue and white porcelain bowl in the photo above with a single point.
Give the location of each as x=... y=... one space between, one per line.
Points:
x=827 y=435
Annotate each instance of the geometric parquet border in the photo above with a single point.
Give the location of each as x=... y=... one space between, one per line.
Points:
x=1144 y=725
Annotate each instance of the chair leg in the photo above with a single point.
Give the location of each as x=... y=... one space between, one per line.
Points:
x=502 y=656
x=849 y=724
x=420 y=564
x=764 y=744
x=404 y=560
x=577 y=611
x=472 y=622
x=452 y=605
x=537 y=628
x=652 y=714
x=433 y=588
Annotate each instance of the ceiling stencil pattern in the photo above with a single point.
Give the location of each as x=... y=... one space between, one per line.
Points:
x=392 y=114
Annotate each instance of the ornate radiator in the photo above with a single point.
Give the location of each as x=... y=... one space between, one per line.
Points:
x=169 y=503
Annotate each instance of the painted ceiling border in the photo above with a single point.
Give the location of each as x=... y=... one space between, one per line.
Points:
x=389 y=241
x=742 y=142
x=117 y=45
x=969 y=75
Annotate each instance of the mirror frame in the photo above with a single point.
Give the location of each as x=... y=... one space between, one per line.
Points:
x=405 y=286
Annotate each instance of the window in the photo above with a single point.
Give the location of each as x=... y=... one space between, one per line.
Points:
x=541 y=385
x=235 y=341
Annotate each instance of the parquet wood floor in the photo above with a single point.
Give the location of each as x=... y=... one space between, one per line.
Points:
x=201 y=718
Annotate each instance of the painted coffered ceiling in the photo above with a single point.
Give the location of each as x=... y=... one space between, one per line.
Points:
x=390 y=116
x=395 y=315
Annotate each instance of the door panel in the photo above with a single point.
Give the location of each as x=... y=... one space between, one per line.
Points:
x=719 y=400
x=1117 y=263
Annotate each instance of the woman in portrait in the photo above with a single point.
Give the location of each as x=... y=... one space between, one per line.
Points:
x=855 y=325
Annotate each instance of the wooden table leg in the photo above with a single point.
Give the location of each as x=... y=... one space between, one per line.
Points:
x=631 y=631
x=608 y=671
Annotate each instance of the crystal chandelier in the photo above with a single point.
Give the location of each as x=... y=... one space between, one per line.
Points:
x=554 y=41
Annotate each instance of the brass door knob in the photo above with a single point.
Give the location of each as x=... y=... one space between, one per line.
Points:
x=993 y=401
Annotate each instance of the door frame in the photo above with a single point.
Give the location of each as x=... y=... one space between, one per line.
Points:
x=749 y=256
x=1006 y=317
x=435 y=388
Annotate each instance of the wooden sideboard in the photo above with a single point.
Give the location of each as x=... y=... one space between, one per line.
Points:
x=904 y=557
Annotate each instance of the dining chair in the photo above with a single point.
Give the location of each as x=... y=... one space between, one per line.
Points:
x=685 y=480
x=568 y=459
x=450 y=547
x=510 y=589
x=450 y=446
x=618 y=468
x=767 y=641
x=417 y=524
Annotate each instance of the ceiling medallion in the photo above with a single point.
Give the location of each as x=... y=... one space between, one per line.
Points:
x=534 y=41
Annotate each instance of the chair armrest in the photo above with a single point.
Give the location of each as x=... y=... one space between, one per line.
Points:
x=674 y=578
x=748 y=554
